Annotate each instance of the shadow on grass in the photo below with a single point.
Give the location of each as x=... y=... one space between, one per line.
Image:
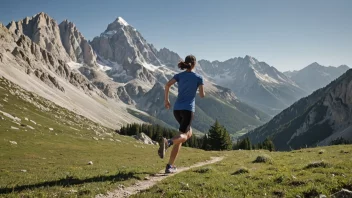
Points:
x=70 y=181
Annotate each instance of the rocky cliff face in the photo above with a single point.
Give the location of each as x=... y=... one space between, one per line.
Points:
x=168 y=58
x=33 y=56
x=124 y=45
x=76 y=45
x=44 y=31
x=317 y=119
x=37 y=70
x=63 y=41
x=255 y=82
x=134 y=58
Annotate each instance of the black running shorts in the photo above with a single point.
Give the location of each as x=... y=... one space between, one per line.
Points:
x=184 y=118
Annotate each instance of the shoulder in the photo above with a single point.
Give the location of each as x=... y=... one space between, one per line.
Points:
x=177 y=75
x=198 y=76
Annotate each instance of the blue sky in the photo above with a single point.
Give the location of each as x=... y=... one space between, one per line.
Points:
x=286 y=34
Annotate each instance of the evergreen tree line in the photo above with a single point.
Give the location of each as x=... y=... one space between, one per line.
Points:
x=217 y=138
x=340 y=141
x=245 y=144
x=156 y=132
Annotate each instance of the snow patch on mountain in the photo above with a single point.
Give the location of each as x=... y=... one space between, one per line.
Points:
x=122 y=21
x=103 y=68
x=75 y=65
x=265 y=78
x=151 y=67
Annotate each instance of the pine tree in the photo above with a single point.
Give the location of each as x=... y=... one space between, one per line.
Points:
x=219 y=138
x=248 y=144
x=215 y=136
x=268 y=145
x=244 y=144
x=225 y=140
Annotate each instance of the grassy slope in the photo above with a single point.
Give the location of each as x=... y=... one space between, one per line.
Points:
x=56 y=161
x=285 y=176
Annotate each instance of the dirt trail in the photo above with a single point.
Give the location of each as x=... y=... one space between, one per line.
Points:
x=146 y=184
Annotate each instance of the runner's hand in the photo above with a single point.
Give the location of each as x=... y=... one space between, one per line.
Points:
x=167 y=104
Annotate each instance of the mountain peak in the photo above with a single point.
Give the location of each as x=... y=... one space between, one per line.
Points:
x=67 y=22
x=42 y=30
x=41 y=14
x=122 y=21
x=250 y=59
x=118 y=24
x=315 y=64
x=343 y=66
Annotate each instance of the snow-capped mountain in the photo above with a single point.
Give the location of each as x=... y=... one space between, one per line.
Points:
x=122 y=75
x=123 y=44
x=318 y=119
x=316 y=76
x=255 y=82
x=142 y=69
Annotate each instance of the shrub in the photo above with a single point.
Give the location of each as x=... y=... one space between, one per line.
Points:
x=263 y=159
x=203 y=170
x=241 y=171
x=321 y=151
x=318 y=164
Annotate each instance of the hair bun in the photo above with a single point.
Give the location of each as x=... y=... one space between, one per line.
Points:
x=187 y=64
x=182 y=65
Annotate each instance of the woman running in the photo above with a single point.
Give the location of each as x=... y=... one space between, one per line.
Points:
x=184 y=108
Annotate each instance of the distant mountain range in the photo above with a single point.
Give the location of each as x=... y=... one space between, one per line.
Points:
x=316 y=76
x=118 y=77
x=114 y=79
x=318 y=119
x=257 y=83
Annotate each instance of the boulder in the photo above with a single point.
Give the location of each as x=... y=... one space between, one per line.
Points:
x=344 y=193
x=144 y=138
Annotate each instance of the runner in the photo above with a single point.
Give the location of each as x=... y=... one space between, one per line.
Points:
x=188 y=84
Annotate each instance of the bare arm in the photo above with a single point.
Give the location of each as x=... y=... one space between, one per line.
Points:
x=167 y=90
x=201 y=91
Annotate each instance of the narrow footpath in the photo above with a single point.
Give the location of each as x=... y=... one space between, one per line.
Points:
x=154 y=179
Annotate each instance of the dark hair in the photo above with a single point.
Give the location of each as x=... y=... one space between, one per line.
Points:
x=187 y=64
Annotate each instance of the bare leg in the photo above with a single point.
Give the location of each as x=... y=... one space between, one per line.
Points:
x=175 y=149
x=178 y=140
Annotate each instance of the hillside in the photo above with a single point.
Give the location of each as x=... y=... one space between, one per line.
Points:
x=35 y=69
x=305 y=173
x=45 y=150
x=314 y=120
